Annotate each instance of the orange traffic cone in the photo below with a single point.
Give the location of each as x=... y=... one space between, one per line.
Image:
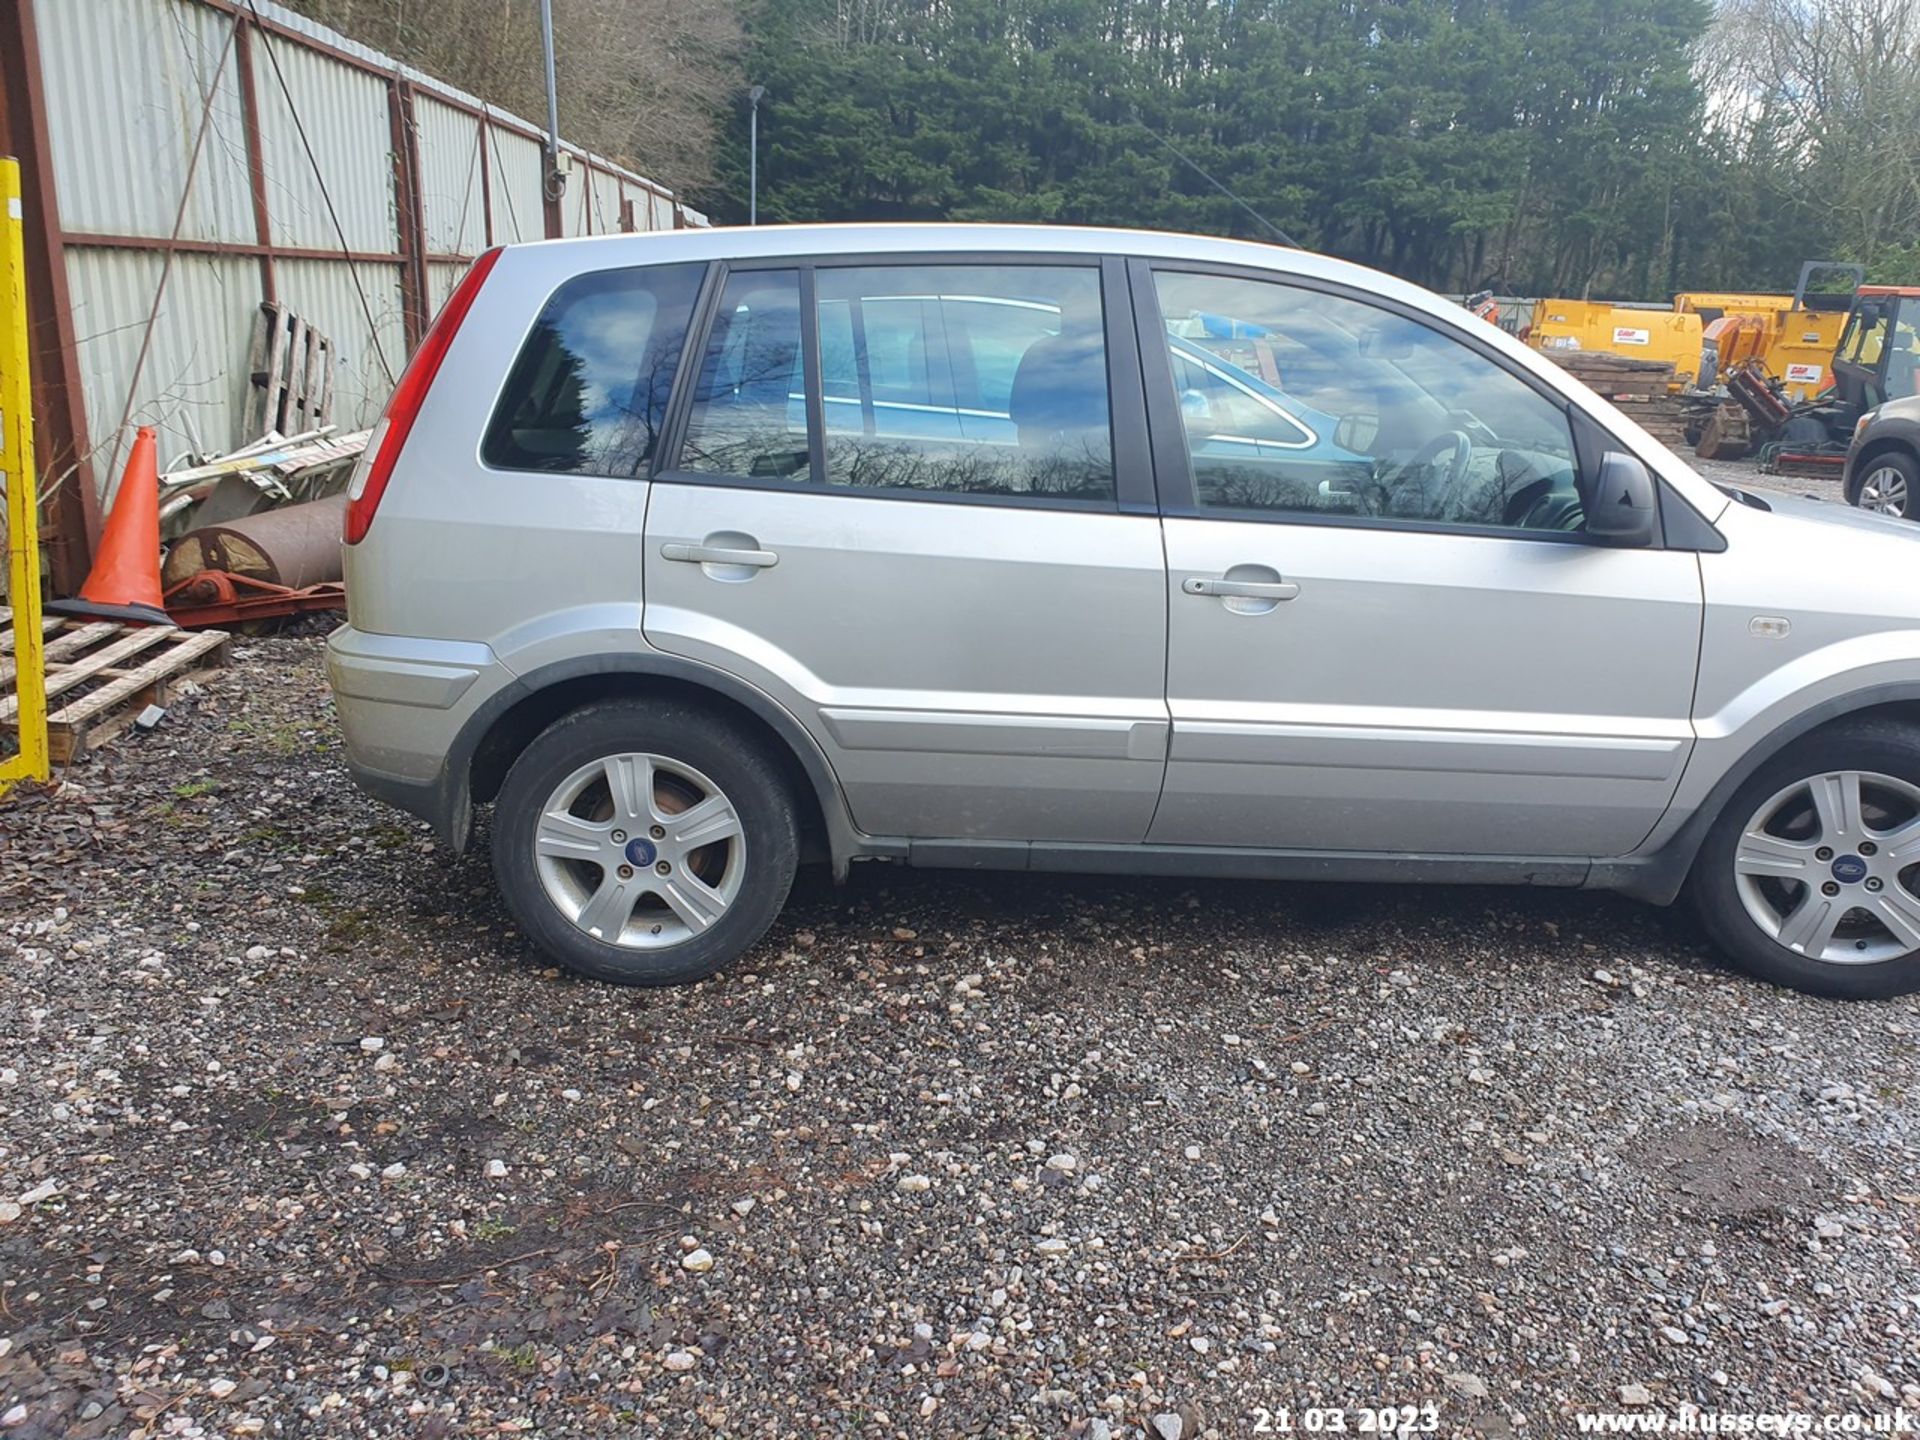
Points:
x=124 y=583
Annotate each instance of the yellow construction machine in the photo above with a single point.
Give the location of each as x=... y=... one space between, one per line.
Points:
x=1707 y=335
x=1562 y=328
x=1877 y=359
x=1791 y=336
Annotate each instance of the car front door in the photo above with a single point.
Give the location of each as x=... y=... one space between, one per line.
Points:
x=1388 y=633
x=934 y=545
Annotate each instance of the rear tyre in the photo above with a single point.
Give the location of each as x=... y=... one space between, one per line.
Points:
x=1810 y=877
x=1886 y=484
x=644 y=842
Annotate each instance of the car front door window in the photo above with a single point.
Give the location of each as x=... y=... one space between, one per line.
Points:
x=1390 y=419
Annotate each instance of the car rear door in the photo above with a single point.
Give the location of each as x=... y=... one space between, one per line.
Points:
x=1387 y=631
x=935 y=545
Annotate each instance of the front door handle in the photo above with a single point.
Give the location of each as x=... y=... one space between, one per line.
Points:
x=1241 y=589
x=718 y=555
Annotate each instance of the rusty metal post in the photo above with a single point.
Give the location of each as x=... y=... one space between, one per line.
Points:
x=486 y=178
x=256 y=159
x=416 y=198
x=59 y=403
x=406 y=212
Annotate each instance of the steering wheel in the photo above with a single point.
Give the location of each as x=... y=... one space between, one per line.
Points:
x=1544 y=504
x=1461 y=445
x=1523 y=501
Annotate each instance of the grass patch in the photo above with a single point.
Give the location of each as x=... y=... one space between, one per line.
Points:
x=282 y=740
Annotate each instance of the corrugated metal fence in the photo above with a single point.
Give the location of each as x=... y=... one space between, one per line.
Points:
x=247 y=155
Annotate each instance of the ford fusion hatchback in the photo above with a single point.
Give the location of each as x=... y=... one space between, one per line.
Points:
x=700 y=555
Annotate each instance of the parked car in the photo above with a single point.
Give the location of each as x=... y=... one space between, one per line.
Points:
x=698 y=554
x=1883 y=463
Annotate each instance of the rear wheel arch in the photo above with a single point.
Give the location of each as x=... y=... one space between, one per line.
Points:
x=499 y=731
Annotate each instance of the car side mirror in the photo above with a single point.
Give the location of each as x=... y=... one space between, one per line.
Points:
x=1622 y=506
x=1357 y=430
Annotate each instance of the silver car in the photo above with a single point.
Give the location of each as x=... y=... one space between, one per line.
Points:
x=699 y=555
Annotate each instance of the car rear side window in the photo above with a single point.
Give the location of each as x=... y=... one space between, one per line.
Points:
x=749 y=412
x=587 y=394
x=984 y=380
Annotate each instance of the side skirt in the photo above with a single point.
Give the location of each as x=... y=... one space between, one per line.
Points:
x=1230 y=862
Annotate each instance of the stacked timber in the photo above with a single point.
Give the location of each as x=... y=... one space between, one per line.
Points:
x=1643 y=388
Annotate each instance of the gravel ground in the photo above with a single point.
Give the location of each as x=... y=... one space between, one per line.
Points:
x=297 y=1139
x=1746 y=474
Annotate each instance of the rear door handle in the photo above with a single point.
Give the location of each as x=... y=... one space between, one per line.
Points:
x=1241 y=589
x=718 y=555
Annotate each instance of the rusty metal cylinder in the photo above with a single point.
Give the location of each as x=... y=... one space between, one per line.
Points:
x=295 y=546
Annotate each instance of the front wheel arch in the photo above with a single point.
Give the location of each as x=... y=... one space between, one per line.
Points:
x=1659 y=878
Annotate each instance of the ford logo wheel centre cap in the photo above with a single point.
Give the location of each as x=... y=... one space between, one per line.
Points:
x=1849 y=869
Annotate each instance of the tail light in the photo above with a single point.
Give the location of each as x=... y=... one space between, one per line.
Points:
x=389 y=437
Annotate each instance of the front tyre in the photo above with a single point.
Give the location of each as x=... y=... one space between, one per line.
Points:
x=644 y=842
x=1810 y=877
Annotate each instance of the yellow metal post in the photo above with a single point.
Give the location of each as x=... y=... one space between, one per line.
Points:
x=17 y=474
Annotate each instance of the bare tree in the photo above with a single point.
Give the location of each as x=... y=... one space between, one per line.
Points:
x=643 y=82
x=1825 y=95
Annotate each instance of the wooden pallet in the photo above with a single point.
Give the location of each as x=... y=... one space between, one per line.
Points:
x=1618 y=377
x=292 y=375
x=1617 y=390
x=102 y=674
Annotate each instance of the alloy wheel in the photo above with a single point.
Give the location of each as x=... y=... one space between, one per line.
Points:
x=640 y=851
x=1829 y=867
x=1885 y=490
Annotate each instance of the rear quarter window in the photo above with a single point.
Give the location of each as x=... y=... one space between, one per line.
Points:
x=587 y=394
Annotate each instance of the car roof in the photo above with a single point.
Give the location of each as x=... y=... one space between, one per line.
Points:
x=759 y=242
x=857 y=237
